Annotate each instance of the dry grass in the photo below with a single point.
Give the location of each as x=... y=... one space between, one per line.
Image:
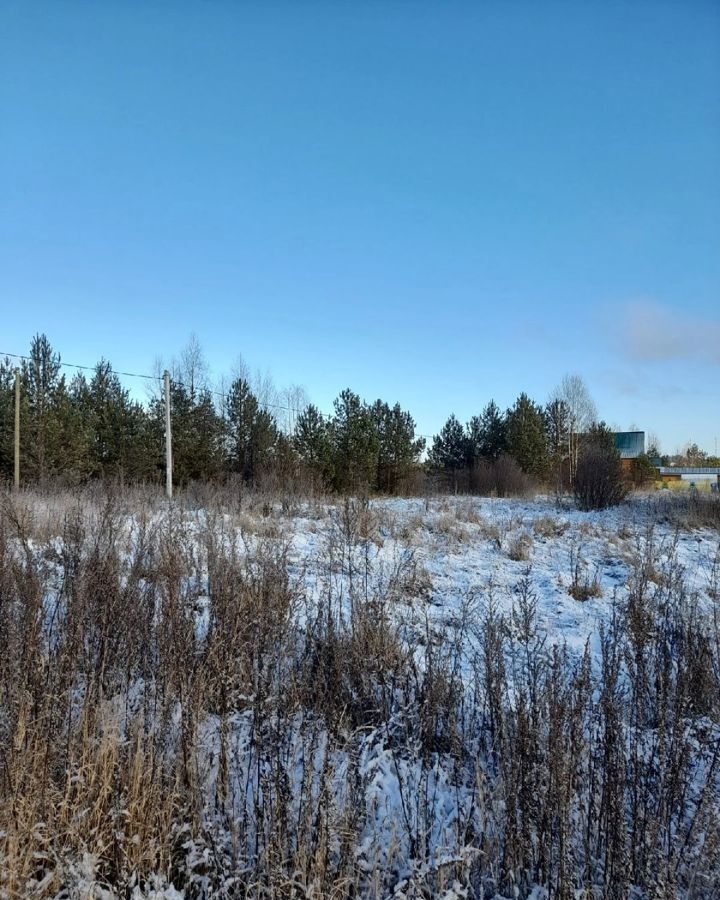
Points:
x=520 y=546
x=468 y=511
x=410 y=529
x=549 y=527
x=448 y=526
x=174 y=710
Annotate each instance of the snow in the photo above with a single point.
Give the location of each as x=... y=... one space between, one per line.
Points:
x=440 y=564
x=462 y=544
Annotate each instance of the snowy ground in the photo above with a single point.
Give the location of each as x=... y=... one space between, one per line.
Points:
x=456 y=549
x=439 y=565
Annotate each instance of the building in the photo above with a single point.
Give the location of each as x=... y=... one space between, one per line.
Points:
x=630 y=445
x=699 y=478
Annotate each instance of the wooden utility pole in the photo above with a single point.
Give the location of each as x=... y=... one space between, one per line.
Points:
x=168 y=438
x=17 y=430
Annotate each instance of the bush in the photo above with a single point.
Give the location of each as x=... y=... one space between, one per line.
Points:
x=599 y=477
x=687 y=509
x=502 y=477
x=643 y=472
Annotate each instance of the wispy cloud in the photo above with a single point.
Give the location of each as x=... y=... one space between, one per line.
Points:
x=652 y=332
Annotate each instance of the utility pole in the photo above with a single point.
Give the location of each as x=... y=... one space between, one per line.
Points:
x=17 y=429
x=168 y=438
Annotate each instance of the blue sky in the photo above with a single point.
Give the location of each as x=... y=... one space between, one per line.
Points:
x=433 y=203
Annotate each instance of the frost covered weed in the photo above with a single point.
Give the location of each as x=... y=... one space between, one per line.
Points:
x=409 y=529
x=493 y=531
x=584 y=582
x=520 y=546
x=179 y=711
x=549 y=526
x=266 y=526
x=467 y=511
x=448 y=525
x=686 y=509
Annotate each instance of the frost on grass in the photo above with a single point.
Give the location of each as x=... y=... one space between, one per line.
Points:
x=396 y=698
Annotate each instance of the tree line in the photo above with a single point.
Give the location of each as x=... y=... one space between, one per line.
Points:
x=90 y=427
x=530 y=440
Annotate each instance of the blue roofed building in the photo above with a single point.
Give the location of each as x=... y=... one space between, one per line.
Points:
x=630 y=444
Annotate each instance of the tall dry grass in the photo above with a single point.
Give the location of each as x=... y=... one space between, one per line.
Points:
x=178 y=708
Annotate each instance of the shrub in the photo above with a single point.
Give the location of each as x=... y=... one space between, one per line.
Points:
x=502 y=477
x=599 y=478
x=520 y=546
x=549 y=526
x=687 y=509
x=643 y=472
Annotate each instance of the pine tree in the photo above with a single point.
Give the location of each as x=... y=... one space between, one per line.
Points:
x=557 y=430
x=7 y=419
x=492 y=444
x=69 y=452
x=449 y=451
x=242 y=408
x=526 y=440
x=486 y=435
x=207 y=438
x=312 y=441
x=474 y=441
x=398 y=448
x=109 y=413
x=197 y=435
x=355 y=444
x=262 y=443
x=251 y=432
x=41 y=383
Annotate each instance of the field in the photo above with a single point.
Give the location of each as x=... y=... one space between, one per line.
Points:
x=246 y=696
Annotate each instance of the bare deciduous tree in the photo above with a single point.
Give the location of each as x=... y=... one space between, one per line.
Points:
x=192 y=368
x=295 y=398
x=582 y=413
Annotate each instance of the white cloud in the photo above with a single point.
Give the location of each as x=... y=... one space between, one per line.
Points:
x=655 y=333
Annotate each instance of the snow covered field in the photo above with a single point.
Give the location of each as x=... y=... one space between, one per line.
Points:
x=452 y=697
x=482 y=548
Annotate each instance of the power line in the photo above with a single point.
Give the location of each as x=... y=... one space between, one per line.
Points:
x=87 y=368
x=157 y=378
x=178 y=383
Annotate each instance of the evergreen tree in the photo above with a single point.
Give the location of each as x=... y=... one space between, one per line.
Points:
x=69 y=452
x=143 y=457
x=7 y=419
x=242 y=409
x=486 y=435
x=473 y=441
x=207 y=437
x=557 y=430
x=398 y=448
x=251 y=432
x=196 y=435
x=449 y=451
x=263 y=443
x=526 y=440
x=109 y=415
x=41 y=384
x=355 y=444
x=313 y=443
x=493 y=432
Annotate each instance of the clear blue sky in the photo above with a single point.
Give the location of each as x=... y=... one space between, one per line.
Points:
x=432 y=203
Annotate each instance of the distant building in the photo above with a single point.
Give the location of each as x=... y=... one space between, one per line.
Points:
x=630 y=445
x=700 y=478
